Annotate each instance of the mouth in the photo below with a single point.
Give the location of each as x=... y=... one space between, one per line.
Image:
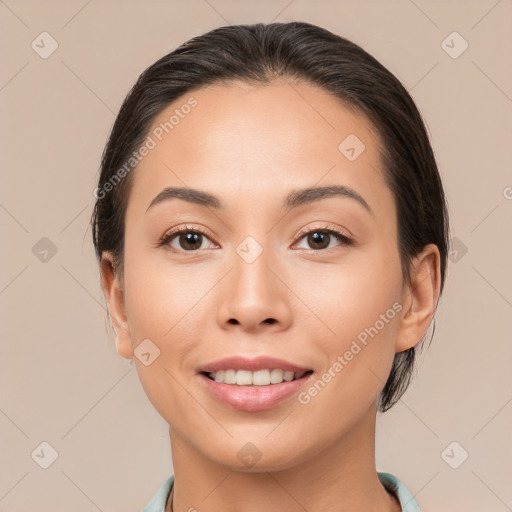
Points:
x=253 y=385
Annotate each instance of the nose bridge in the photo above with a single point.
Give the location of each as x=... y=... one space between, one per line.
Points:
x=253 y=295
x=252 y=274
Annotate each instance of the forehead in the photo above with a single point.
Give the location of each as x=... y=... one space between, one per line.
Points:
x=260 y=141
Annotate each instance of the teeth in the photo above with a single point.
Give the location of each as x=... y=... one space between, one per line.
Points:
x=243 y=378
x=257 y=378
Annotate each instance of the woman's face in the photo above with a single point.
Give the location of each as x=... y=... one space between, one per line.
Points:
x=253 y=284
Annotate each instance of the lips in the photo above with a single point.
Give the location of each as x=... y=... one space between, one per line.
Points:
x=253 y=365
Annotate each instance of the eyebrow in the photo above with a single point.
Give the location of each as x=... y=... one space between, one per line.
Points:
x=294 y=199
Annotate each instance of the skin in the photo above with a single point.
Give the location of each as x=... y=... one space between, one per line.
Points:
x=250 y=146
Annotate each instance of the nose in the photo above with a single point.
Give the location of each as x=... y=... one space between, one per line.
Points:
x=254 y=296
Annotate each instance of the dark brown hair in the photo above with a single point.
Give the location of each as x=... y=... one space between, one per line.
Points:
x=303 y=52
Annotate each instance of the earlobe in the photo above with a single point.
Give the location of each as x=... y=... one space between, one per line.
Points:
x=113 y=291
x=420 y=298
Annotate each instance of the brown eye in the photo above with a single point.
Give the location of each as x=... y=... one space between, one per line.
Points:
x=189 y=240
x=185 y=239
x=319 y=239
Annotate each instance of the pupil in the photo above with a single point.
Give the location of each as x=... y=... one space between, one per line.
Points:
x=320 y=239
x=191 y=239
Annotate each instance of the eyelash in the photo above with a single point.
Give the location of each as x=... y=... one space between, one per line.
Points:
x=338 y=234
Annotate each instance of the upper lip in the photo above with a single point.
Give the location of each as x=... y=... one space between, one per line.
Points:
x=254 y=364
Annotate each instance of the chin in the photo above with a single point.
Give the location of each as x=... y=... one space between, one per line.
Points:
x=257 y=456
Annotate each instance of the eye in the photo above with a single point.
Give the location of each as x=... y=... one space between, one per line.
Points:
x=320 y=239
x=187 y=239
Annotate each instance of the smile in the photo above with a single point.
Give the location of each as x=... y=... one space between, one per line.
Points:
x=252 y=397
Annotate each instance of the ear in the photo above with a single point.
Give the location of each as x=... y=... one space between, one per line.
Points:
x=419 y=298
x=113 y=290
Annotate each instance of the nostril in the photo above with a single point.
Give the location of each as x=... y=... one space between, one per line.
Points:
x=270 y=320
x=233 y=321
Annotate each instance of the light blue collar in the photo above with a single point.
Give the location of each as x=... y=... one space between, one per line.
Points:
x=407 y=501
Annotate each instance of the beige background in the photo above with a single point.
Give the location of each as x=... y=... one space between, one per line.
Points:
x=62 y=381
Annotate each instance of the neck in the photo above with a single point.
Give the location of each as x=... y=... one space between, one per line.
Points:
x=341 y=477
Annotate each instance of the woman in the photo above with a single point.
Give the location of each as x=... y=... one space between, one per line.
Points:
x=272 y=233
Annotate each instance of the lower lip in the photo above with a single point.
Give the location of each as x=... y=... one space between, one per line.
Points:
x=253 y=398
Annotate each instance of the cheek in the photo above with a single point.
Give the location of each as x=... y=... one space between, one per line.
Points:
x=163 y=305
x=160 y=294
x=359 y=307
x=350 y=296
